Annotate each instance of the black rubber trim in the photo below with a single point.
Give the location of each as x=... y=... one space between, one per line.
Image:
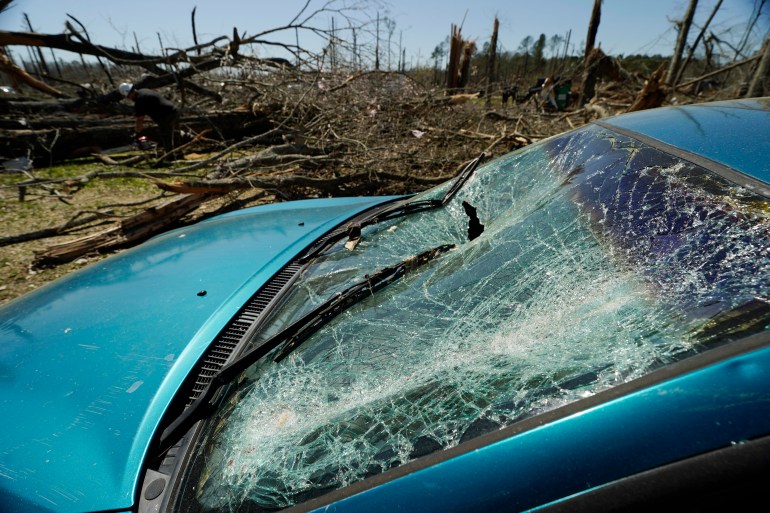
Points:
x=730 y=479
x=691 y=364
x=733 y=175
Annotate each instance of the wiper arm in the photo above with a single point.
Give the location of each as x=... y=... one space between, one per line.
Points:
x=292 y=336
x=462 y=178
x=402 y=209
x=399 y=209
x=319 y=316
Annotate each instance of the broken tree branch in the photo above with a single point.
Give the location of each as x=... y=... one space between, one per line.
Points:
x=719 y=71
x=7 y=66
x=130 y=231
x=78 y=220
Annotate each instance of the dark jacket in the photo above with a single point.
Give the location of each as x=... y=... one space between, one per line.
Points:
x=149 y=103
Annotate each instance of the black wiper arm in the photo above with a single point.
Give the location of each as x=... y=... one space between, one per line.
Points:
x=314 y=320
x=462 y=178
x=292 y=336
x=403 y=209
x=399 y=209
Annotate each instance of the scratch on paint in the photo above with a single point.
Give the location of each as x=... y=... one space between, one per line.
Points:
x=47 y=499
x=134 y=387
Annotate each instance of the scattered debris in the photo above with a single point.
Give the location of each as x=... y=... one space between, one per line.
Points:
x=260 y=130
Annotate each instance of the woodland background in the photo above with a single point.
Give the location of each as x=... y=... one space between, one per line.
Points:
x=349 y=119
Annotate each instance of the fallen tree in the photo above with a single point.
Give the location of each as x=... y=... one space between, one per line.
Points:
x=258 y=131
x=129 y=231
x=52 y=138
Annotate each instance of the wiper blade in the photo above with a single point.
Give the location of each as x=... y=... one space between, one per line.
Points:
x=397 y=210
x=292 y=336
x=315 y=319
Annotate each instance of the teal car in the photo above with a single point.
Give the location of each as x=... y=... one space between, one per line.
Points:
x=579 y=325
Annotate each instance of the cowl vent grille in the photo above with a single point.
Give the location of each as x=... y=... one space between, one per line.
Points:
x=239 y=327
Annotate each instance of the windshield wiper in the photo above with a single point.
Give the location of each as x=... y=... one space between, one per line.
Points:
x=292 y=336
x=462 y=178
x=396 y=210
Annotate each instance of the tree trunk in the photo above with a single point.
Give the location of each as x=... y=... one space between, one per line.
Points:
x=760 y=76
x=56 y=138
x=455 y=52
x=681 y=41
x=589 y=74
x=491 y=64
x=593 y=28
x=465 y=63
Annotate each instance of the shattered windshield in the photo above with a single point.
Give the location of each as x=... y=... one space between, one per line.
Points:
x=599 y=259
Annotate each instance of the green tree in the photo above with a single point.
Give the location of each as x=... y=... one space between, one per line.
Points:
x=554 y=45
x=526 y=45
x=439 y=53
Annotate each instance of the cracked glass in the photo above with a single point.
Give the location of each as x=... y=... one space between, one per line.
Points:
x=599 y=259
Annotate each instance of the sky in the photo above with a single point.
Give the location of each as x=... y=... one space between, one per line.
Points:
x=627 y=26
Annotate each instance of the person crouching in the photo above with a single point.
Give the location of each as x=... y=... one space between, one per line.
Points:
x=162 y=111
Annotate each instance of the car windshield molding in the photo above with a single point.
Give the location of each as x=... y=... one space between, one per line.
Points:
x=724 y=171
x=292 y=336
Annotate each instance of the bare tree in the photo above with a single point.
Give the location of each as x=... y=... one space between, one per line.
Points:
x=492 y=56
x=377 y=45
x=695 y=43
x=758 y=7
x=761 y=74
x=593 y=28
x=681 y=41
x=589 y=73
x=176 y=66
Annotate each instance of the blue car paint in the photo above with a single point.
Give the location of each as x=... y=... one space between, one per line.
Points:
x=704 y=410
x=89 y=364
x=712 y=130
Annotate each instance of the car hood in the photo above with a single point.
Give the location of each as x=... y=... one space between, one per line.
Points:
x=89 y=364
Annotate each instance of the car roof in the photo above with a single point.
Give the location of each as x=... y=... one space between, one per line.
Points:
x=729 y=133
